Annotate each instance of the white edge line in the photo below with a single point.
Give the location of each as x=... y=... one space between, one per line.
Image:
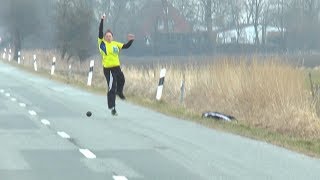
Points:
x=22 y=104
x=32 y=113
x=45 y=122
x=87 y=153
x=63 y=135
x=119 y=178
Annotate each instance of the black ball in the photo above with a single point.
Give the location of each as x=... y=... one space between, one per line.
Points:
x=89 y=113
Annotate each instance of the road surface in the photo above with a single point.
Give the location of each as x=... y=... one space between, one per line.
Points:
x=44 y=134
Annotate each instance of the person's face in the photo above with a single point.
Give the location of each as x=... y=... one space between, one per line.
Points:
x=108 y=37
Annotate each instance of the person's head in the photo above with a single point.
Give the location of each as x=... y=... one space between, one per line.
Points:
x=108 y=36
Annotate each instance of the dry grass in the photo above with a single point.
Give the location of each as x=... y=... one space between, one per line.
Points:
x=271 y=94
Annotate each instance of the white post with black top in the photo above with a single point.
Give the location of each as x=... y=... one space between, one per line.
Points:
x=160 y=85
x=69 y=70
x=35 y=65
x=19 y=57
x=53 y=67
x=90 y=73
x=182 y=90
x=4 y=54
x=9 y=56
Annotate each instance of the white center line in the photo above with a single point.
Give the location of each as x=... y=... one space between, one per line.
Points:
x=63 y=135
x=32 y=113
x=13 y=99
x=87 y=153
x=119 y=178
x=7 y=94
x=45 y=122
x=1 y=90
x=22 y=104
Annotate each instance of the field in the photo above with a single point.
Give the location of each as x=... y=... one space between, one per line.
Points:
x=270 y=96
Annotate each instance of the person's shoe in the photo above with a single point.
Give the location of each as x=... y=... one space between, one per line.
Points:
x=121 y=96
x=114 y=112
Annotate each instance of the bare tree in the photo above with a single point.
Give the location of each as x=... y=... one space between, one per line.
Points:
x=214 y=13
x=265 y=21
x=73 y=22
x=312 y=9
x=278 y=10
x=302 y=23
x=221 y=13
x=236 y=12
x=249 y=7
x=121 y=14
x=190 y=9
x=119 y=8
x=208 y=14
x=258 y=6
x=103 y=7
x=21 y=18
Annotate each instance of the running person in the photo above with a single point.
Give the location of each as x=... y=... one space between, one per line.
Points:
x=109 y=51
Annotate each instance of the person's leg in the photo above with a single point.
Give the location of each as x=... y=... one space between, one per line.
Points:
x=106 y=72
x=111 y=80
x=120 y=83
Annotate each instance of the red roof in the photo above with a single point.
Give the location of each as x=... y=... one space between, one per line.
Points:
x=154 y=11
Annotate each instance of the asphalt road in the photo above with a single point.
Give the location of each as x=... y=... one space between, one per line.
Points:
x=44 y=134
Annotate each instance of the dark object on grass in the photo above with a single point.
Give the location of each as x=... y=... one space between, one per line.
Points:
x=218 y=116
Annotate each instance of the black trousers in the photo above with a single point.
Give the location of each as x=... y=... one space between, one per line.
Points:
x=115 y=79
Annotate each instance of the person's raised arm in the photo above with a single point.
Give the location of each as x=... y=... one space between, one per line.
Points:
x=130 y=41
x=101 y=27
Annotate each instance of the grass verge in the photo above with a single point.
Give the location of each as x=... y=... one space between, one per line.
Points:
x=307 y=145
x=310 y=147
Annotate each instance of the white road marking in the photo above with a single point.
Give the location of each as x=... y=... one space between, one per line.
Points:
x=13 y=99
x=32 y=113
x=7 y=94
x=45 y=122
x=101 y=165
x=1 y=90
x=119 y=178
x=87 y=153
x=63 y=135
x=22 y=104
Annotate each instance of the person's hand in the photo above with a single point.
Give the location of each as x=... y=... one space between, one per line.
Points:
x=130 y=37
x=103 y=16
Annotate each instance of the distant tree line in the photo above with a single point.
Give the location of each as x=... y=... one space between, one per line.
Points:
x=71 y=25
